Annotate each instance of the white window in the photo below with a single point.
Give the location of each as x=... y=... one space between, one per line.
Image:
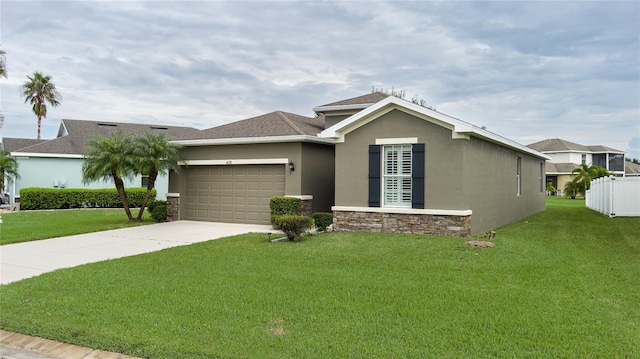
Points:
x=396 y=181
x=518 y=174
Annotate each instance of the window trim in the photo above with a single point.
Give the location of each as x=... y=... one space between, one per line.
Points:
x=542 y=178
x=519 y=175
x=399 y=175
x=417 y=176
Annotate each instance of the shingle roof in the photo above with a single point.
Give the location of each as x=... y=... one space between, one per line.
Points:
x=564 y=167
x=557 y=144
x=78 y=132
x=11 y=144
x=277 y=123
x=631 y=169
x=360 y=100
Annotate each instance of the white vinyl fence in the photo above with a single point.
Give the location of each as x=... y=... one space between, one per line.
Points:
x=615 y=196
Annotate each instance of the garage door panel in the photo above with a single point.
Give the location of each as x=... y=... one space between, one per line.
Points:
x=253 y=186
x=226 y=171
x=232 y=193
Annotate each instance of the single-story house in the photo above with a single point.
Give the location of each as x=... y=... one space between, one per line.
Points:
x=57 y=163
x=377 y=162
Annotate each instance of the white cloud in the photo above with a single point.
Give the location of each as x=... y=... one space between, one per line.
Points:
x=526 y=70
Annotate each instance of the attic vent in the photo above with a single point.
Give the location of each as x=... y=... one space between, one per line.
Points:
x=107 y=124
x=159 y=127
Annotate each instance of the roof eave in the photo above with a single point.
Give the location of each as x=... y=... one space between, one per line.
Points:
x=254 y=140
x=359 y=106
x=46 y=155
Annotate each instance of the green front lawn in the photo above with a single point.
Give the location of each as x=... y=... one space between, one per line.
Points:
x=562 y=284
x=27 y=226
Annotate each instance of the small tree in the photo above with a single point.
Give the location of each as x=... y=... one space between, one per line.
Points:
x=586 y=173
x=110 y=158
x=401 y=94
x=39 y=91
x=572 y=188
x=8 y=167
x=153 y=155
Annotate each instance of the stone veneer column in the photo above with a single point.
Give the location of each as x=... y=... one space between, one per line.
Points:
x=173 y=207
x=306 y=204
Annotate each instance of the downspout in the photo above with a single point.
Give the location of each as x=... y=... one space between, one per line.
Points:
x=12 y=198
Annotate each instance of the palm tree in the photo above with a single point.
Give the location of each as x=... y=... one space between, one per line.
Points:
x=586 y=173
x=153 y=154
x=8 y=167
x=39 y=91
x=3 y=64
x=110 y=158
x=572 y=188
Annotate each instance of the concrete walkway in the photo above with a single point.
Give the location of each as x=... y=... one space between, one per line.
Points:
x=20 y=346
x=23 y=260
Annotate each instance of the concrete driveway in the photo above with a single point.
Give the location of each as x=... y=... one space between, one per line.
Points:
x=23 y=260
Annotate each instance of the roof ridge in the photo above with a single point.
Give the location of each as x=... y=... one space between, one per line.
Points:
x=289 y=122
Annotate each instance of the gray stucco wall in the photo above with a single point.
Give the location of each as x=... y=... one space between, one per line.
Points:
x=313 y=163
x=291 y=151
x=330 y=120
x=491 y=184
x=460 y=174
x=443 y=159
x=318 y=175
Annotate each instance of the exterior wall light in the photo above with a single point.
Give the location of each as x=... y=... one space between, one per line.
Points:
x=291 y=167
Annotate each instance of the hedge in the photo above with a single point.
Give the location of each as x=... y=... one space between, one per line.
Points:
x=62 y=198
x=283 y=206
x=158 y=210
x=293 y=226
x=322 y=220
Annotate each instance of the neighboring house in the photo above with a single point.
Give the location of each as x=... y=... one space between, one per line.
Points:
x=57 y=163
x=567 y=156
x=378 y=162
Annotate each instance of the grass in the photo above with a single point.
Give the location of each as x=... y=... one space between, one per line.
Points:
x=27 y=226
x=561 y=284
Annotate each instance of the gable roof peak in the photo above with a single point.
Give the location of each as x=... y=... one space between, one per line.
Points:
x=459 y=128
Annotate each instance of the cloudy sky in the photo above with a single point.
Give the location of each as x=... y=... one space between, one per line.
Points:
x=525 y=70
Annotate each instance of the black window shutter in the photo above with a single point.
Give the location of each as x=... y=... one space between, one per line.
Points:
x=417 y=176
x=374 y=176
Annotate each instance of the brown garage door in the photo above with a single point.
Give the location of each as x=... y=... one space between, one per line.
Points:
x=237 y=194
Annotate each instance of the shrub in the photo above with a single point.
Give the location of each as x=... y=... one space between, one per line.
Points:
x=550 y=188
x=62 y=198
x=158 y=210
x=283 y=206
x=322 y=220
x=293 y=226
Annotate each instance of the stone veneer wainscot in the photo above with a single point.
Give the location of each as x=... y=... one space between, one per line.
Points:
x=433 y=224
